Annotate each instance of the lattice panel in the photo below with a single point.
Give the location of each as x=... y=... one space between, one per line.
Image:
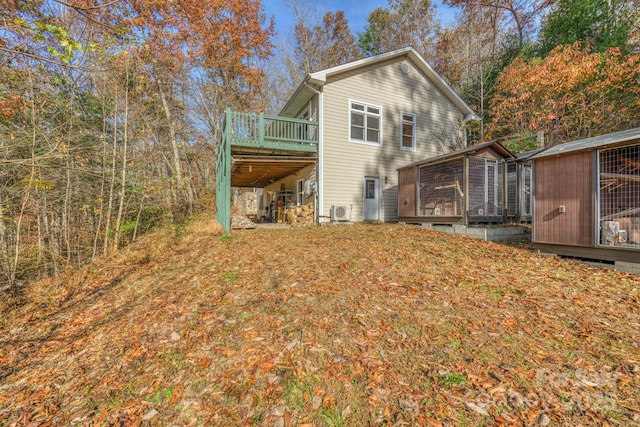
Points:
x=512 y=188
x=442 y=189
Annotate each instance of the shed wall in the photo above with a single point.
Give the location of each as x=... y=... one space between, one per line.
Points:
x=407 y=192
x=564 y=181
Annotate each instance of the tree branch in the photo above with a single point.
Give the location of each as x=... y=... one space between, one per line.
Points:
x=78 y=8
x=39 y=58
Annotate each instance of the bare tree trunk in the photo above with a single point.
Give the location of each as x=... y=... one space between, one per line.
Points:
x=41 y=240
x=49 y=227
x=98 y=226
x=66 y=208
x=4 y=239
x=107 y=223
x=184 y=188
x=27 y=194
x=123 y=182
x=172 y=135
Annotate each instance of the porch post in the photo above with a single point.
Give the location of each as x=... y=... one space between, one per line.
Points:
x=223 y=176
x=261 y=128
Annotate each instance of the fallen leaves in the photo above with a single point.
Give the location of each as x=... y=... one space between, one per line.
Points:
x=359 y=326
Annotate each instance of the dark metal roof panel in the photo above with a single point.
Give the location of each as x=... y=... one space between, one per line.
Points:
x=469 y=150
x=591 y=143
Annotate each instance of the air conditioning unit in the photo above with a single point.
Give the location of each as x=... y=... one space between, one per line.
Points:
x=340 y=212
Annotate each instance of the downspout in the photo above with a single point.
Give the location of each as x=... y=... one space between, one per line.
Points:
x=319 y=208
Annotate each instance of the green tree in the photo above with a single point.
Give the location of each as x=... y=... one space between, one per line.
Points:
x=599 y=23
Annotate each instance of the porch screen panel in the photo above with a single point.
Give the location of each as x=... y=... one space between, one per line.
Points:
x=494 y=189
x=526 y=190
x=512 y=188
x=477 y=186
x=441 y=189
x=619 y=197
x=486 y=189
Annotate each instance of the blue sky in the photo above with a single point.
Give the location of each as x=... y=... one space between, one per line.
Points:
x=356 y=12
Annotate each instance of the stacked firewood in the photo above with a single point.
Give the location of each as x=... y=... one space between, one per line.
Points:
x=300 y=216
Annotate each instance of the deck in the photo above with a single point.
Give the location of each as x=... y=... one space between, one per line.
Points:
x=257 y=149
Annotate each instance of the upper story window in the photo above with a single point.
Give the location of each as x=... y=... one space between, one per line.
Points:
x=365 y=122
x=408 y=132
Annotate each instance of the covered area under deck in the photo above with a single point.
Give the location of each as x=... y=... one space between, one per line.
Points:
x=257 y=150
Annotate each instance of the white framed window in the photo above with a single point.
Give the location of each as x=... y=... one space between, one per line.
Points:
x=300 y=192
x=408 y=141
x=365 y=123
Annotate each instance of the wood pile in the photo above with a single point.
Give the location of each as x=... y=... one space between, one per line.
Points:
x=301 y=216
x=241 y=223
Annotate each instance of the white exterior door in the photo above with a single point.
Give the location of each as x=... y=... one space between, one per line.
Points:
x=371 y=203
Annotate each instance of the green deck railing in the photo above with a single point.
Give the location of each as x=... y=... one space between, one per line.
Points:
x=259 y=131
x=280 y=133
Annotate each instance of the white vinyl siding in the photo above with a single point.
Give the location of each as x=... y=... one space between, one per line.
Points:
x=408 y=126
x=344 y=164
x=365 y=123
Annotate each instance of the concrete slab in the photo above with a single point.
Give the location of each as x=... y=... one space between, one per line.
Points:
x=495 y=234
x=627 y=267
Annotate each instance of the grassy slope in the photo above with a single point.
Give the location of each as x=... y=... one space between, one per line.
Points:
x=358 y=325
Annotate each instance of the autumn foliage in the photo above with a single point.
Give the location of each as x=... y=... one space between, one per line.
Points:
x=570 y=94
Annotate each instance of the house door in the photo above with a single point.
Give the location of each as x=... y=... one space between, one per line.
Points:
x=371 y=205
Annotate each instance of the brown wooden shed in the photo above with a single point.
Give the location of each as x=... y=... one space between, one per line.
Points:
x=587 y=198
x=463 y=187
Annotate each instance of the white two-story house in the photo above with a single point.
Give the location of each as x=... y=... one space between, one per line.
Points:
x=338 y=142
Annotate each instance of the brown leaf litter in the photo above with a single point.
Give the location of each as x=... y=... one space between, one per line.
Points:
x=362 y=325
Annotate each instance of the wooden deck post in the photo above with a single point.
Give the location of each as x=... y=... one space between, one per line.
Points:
x=223 y=176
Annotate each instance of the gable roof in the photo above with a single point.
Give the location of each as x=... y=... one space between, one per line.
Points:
x=304 y=92
x=601 y=141
x=495 y=145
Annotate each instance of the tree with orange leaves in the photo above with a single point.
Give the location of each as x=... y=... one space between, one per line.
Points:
x=573 y=93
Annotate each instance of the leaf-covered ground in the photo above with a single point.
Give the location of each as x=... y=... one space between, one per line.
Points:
x=363 y=325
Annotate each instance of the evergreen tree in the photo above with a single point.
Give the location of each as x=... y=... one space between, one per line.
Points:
x=599 y=23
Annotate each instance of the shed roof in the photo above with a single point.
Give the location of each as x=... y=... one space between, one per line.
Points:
x=304 y=92
x=591 y=143
x=497 y=146
x=528 y=154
